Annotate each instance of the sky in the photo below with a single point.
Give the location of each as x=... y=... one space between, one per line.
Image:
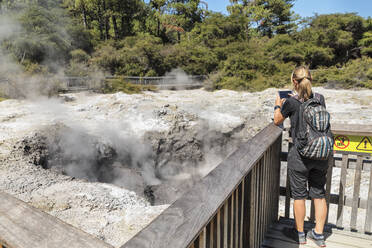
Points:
x=306 y=8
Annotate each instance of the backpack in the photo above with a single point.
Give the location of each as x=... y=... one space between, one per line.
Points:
x=314 y=139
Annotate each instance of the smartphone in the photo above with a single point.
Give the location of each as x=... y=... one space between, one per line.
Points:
x=284 y=93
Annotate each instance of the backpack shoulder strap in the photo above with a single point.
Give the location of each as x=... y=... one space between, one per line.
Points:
x=317 y=96
x=297 y=98
x=320 y=98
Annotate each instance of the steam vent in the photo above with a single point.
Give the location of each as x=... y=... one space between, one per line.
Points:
x=109 y=164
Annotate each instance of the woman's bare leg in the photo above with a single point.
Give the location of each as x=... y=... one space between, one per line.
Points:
x=320 y=214
x=299 y=210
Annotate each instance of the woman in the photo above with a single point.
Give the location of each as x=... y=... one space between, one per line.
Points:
x=302 y=171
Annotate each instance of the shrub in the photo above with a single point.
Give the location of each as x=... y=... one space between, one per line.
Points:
x=120 y=85
x=355 y=74
x=79 y=56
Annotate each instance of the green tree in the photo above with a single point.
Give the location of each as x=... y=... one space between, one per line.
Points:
x=366 y=44
x=108 y=18
x=269 y=17
x=182 y=15
x=46 y=34
x=340 y=32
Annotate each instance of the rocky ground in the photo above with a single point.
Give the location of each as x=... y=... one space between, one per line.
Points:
x=109 y=164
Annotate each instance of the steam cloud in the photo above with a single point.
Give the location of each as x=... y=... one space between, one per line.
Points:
x=15 y=82
x=110 y=153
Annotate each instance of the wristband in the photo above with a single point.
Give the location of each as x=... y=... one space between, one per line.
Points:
x=277 y=107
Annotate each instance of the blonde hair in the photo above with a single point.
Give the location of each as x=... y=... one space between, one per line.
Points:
x=303 y=77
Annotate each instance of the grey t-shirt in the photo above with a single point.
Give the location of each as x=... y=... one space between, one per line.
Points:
x=291 y=108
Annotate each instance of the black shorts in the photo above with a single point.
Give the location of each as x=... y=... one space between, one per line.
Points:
x=306 y=177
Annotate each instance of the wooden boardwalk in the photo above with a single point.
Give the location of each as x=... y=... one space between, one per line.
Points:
x=280 y=236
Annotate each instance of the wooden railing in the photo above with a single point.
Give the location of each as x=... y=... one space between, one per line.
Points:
x=232 y=206
x=71 y=84
x=353 y=164
x=160 y=82
x=168 y=80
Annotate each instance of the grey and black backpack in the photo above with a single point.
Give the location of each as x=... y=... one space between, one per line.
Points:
x=314 y=139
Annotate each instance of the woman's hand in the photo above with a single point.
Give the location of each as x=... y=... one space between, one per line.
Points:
x=278 y=117
x=279 y=101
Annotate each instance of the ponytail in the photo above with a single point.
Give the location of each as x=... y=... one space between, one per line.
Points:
x=303 y=77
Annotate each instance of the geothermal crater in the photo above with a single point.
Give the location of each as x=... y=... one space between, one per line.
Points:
x=109 y=164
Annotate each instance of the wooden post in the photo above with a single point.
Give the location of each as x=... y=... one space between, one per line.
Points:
x=341 y=200
x=329 y=183
x=242 y=214
x=368 y=223
x=357 y=179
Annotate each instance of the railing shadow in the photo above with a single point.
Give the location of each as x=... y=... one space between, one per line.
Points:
x=283 y=233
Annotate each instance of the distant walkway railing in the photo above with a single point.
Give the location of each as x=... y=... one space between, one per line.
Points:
x=168 y=80
x=89 y=83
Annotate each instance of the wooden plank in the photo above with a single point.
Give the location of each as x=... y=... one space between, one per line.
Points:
x=265 y=183
x=242 y=214
x=287 y=198
x=219 y=228
x=329 y=184
x=190 y=213
x=232 y=214
x=22 y=225
x=260 y=196
x=247 y=210
x=368 y=223
x=270 y=188
x=253 y=208
x=236 y=226
x=259 y=209
x=270 y=183
x=202 y=238
x=357 y=179
x=277 y=164
x=341 y=200
x=275 y=186
x=352 y=129
x=267 y=191
x=225 y=226
x=229 y=222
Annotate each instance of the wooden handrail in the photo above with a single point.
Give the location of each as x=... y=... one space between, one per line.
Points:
x=352 y=129
x=234 y=204
x=23 y=226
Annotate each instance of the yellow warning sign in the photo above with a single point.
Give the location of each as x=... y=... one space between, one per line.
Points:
x=365 y=145
x=349 y=143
